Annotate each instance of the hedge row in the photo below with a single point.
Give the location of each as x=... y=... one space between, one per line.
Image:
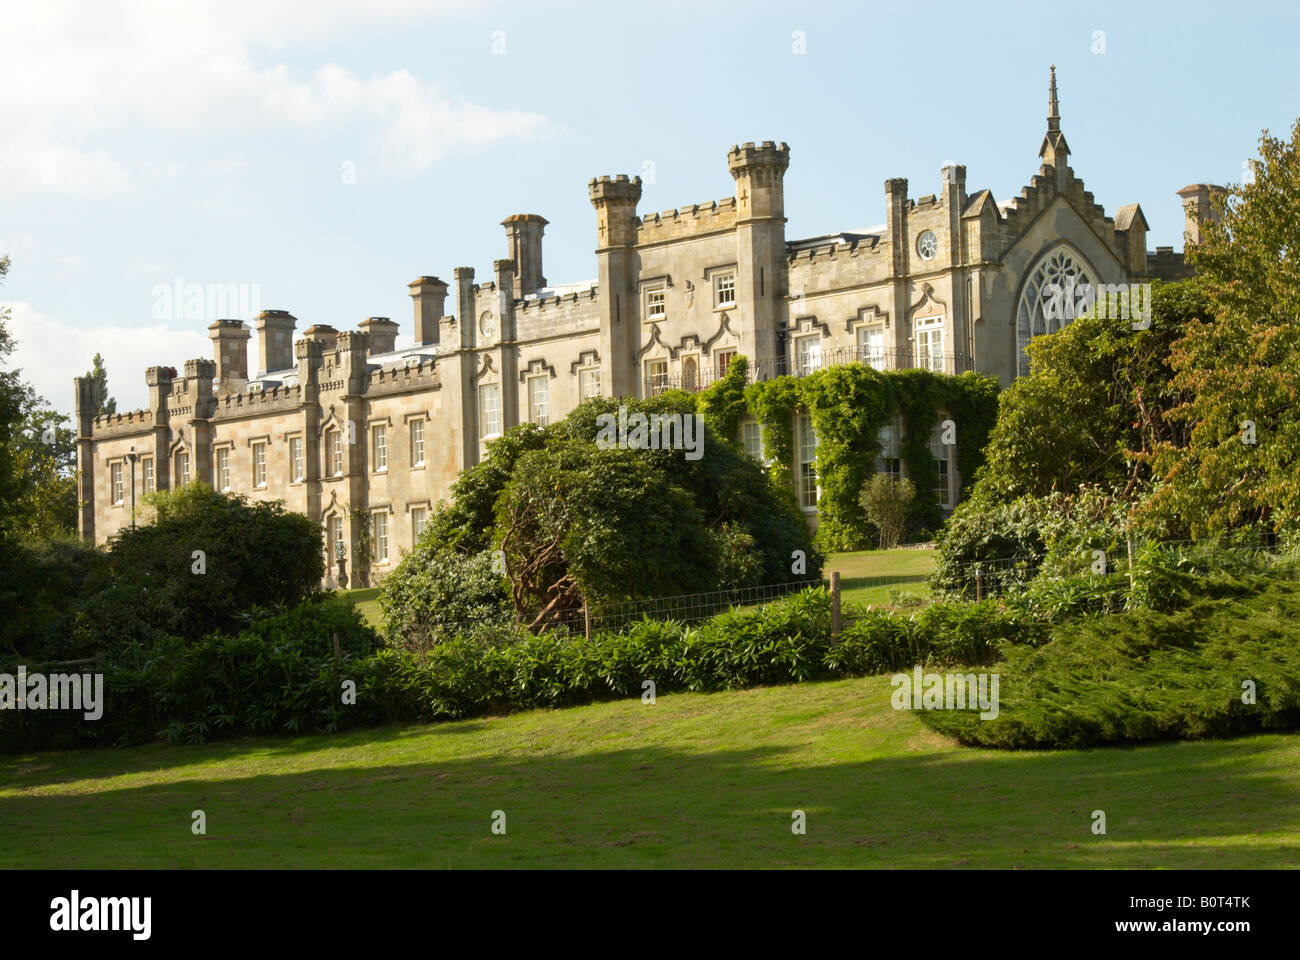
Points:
x=267 y=680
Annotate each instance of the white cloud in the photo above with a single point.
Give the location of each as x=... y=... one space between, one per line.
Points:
x=51 y=353
x=74 y=73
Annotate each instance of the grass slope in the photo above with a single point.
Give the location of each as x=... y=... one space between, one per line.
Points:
x=692 y=781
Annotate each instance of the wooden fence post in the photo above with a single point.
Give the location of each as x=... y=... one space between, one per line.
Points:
x=337 y=652
x=835 y=605
x=586 y=618
x=979 y=584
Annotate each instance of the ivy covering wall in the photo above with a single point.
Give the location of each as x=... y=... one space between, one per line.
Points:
x=848 y=405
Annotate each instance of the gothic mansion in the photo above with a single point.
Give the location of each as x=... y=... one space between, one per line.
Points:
x=358 y=435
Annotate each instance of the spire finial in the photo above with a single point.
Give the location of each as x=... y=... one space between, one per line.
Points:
x=1053 y=107
x=1054 y=148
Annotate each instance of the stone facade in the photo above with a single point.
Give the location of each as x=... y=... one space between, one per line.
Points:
x=360 y=436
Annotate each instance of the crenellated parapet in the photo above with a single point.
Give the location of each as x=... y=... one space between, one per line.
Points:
x=132 y=422
x=697 y=220
x=419 y=374
x=257 y=402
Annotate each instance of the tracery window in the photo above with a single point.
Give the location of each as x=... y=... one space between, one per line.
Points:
x=1054 y=294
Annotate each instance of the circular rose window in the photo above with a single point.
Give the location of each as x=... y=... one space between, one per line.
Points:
x=927 y=245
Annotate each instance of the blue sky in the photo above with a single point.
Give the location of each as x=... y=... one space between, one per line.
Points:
x=142 y=142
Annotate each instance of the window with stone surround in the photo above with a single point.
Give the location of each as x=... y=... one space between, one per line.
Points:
x=379 y=447
x=182 y=468
x=336 y=538
x=941 y=452
x=656 y=303
x=807 y=441
x=1053 y=295
x=890 y=461
x=871 y=346
x=656 y=377
x=589 y=383
x=722 y=360
x=417 y=442
x=146 y=473
x=808 y=354
x=223 y=468
x=259 y=463
x=297 y=462
x=334 y=450
x=489 y=410
x=379 y=536
x=929 y=344
x=539 y=400
x=724 y=290
x=419 y=516
x=115 y=482
x=751 y=433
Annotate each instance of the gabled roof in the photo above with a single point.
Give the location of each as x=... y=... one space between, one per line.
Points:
x=976 y=204
x=1128 y=214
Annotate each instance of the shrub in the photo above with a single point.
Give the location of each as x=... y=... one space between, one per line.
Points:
x=41 y=583
x=1150 y=675
x=277 y=674
x=436 y=593
x=884 y=500
x=254 y=554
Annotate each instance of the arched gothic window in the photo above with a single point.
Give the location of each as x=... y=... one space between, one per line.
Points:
x=1053 y=296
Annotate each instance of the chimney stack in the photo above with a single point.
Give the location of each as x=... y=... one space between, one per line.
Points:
x=430 y=296
x=1198 y=208
x=275 y=340
x=230 y=351
x=524 y=242
x=382 y=334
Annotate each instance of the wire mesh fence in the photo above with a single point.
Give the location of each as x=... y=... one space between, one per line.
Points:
x=1086 y=582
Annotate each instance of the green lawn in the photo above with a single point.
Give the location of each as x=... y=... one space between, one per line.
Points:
x=367 y=601
x=693 y=781
x=873 y=576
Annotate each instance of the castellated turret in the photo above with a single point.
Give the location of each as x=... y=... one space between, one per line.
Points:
x=759 y=172
x=615 y=201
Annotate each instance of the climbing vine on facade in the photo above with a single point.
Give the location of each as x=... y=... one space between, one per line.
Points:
x=848 y=406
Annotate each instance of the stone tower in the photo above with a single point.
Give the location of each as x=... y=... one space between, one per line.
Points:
x=615 y=201
x=759 y=172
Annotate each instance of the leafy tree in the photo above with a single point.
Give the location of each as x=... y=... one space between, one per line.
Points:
x=580 y=522
x=884 y=500
x=37 y=455
x=577 y=523
x=1238 y=372
x=250 y=554
x=436 y=593
x=104 y=404
x=1094 y=406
